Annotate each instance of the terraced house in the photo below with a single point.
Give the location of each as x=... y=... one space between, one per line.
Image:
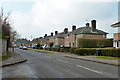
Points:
x=116 y=41
x=58 y=38
x=84 y=32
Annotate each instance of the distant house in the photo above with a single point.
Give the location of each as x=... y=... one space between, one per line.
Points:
x=58 y=38
x=22 y=42
x=83 y=32
x=116 y=41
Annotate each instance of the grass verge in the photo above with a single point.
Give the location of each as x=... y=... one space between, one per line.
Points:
x=5 y=57
x=43 y=51
x=105 y=57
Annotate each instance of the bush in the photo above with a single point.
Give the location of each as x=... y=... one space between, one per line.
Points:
x=65 y=49
x=94 y=43
x=38 y=46
x=55 y=49
x=72 y=50
x=47 y=49
x=51 y=44
x=92 y=51
x=85 y=51
x=110 y=52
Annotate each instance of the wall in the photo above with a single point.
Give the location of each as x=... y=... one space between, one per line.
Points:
x=117 y=30
x=0 y=46
x=3 y=45
x=116 y=36
x=61 y=41
x=68 y=41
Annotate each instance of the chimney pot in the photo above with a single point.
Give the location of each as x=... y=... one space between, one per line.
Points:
x=93 y=25
x=56 y=32
x=66 y=30
x=87 y=24
x=45 y=34
x=51 y=33
x=73 y=27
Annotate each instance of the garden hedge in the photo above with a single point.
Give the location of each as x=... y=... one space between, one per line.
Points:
x=65 y=49
x=94 y=43
x=72 y=50
x=92 y=51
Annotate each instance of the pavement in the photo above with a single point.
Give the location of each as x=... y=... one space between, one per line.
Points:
x=98 y=60
x=14 y=59
x=41 y=65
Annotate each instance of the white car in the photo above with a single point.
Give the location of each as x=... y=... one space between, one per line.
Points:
x=24 y=48
x=44 y=46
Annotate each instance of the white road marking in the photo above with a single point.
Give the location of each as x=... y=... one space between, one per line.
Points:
x=89 y=69
x=48 y=57
x=61 y=61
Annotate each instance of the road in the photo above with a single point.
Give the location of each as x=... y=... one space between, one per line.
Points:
x=54 y=65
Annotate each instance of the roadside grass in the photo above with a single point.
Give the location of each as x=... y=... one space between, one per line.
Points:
x=105 y=57
x=43 y=51
x=5 y=57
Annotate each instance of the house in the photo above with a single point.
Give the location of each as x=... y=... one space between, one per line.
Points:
x=84 y=32
x=116 y=40
x=58 y=38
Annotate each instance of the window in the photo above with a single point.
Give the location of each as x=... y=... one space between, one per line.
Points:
x=103 y=36
x=117 y=44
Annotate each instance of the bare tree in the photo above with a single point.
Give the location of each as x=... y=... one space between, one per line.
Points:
x=5 y=26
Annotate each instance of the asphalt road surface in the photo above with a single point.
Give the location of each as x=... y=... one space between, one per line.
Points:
x=54 y=65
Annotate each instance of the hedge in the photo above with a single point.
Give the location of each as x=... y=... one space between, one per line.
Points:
x=47 y=49
x=65 y=49
x=85 y=51
x=94 y=43
x=92 y=51
x=55 y=49
x=72 y=50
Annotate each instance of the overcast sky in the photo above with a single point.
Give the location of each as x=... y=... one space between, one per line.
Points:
x=39 y=17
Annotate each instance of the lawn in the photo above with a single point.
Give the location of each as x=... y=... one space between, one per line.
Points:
x=105 y=57
x=43 y=51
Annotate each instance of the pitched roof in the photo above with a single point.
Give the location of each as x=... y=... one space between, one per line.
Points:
x=116 y=24
x=86 y=30
x=47 y=37
x=59 y=35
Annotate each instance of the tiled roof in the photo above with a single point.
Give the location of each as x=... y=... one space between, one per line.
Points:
x=47 y=37
x=86 y=30
x=59 y=35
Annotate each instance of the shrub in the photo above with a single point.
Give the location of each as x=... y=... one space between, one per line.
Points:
x=47 y=49
x=94 y=43
x=55 y=49
x=85 y=51
x=72 y=50
x=110 y=52
x=65 y=49
x=51 y=44
x=92 y=51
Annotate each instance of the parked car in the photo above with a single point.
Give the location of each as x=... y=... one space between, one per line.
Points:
x=44 y=46
x=56 y=46
x=20 y=47
x=24 y=48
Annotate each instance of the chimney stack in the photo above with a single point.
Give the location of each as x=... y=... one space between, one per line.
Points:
x=73 y=27
x=87 y=24
x=51 y=33
x=45 y=34
x=93 y=25
x=56 y=32
x=66 y=30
